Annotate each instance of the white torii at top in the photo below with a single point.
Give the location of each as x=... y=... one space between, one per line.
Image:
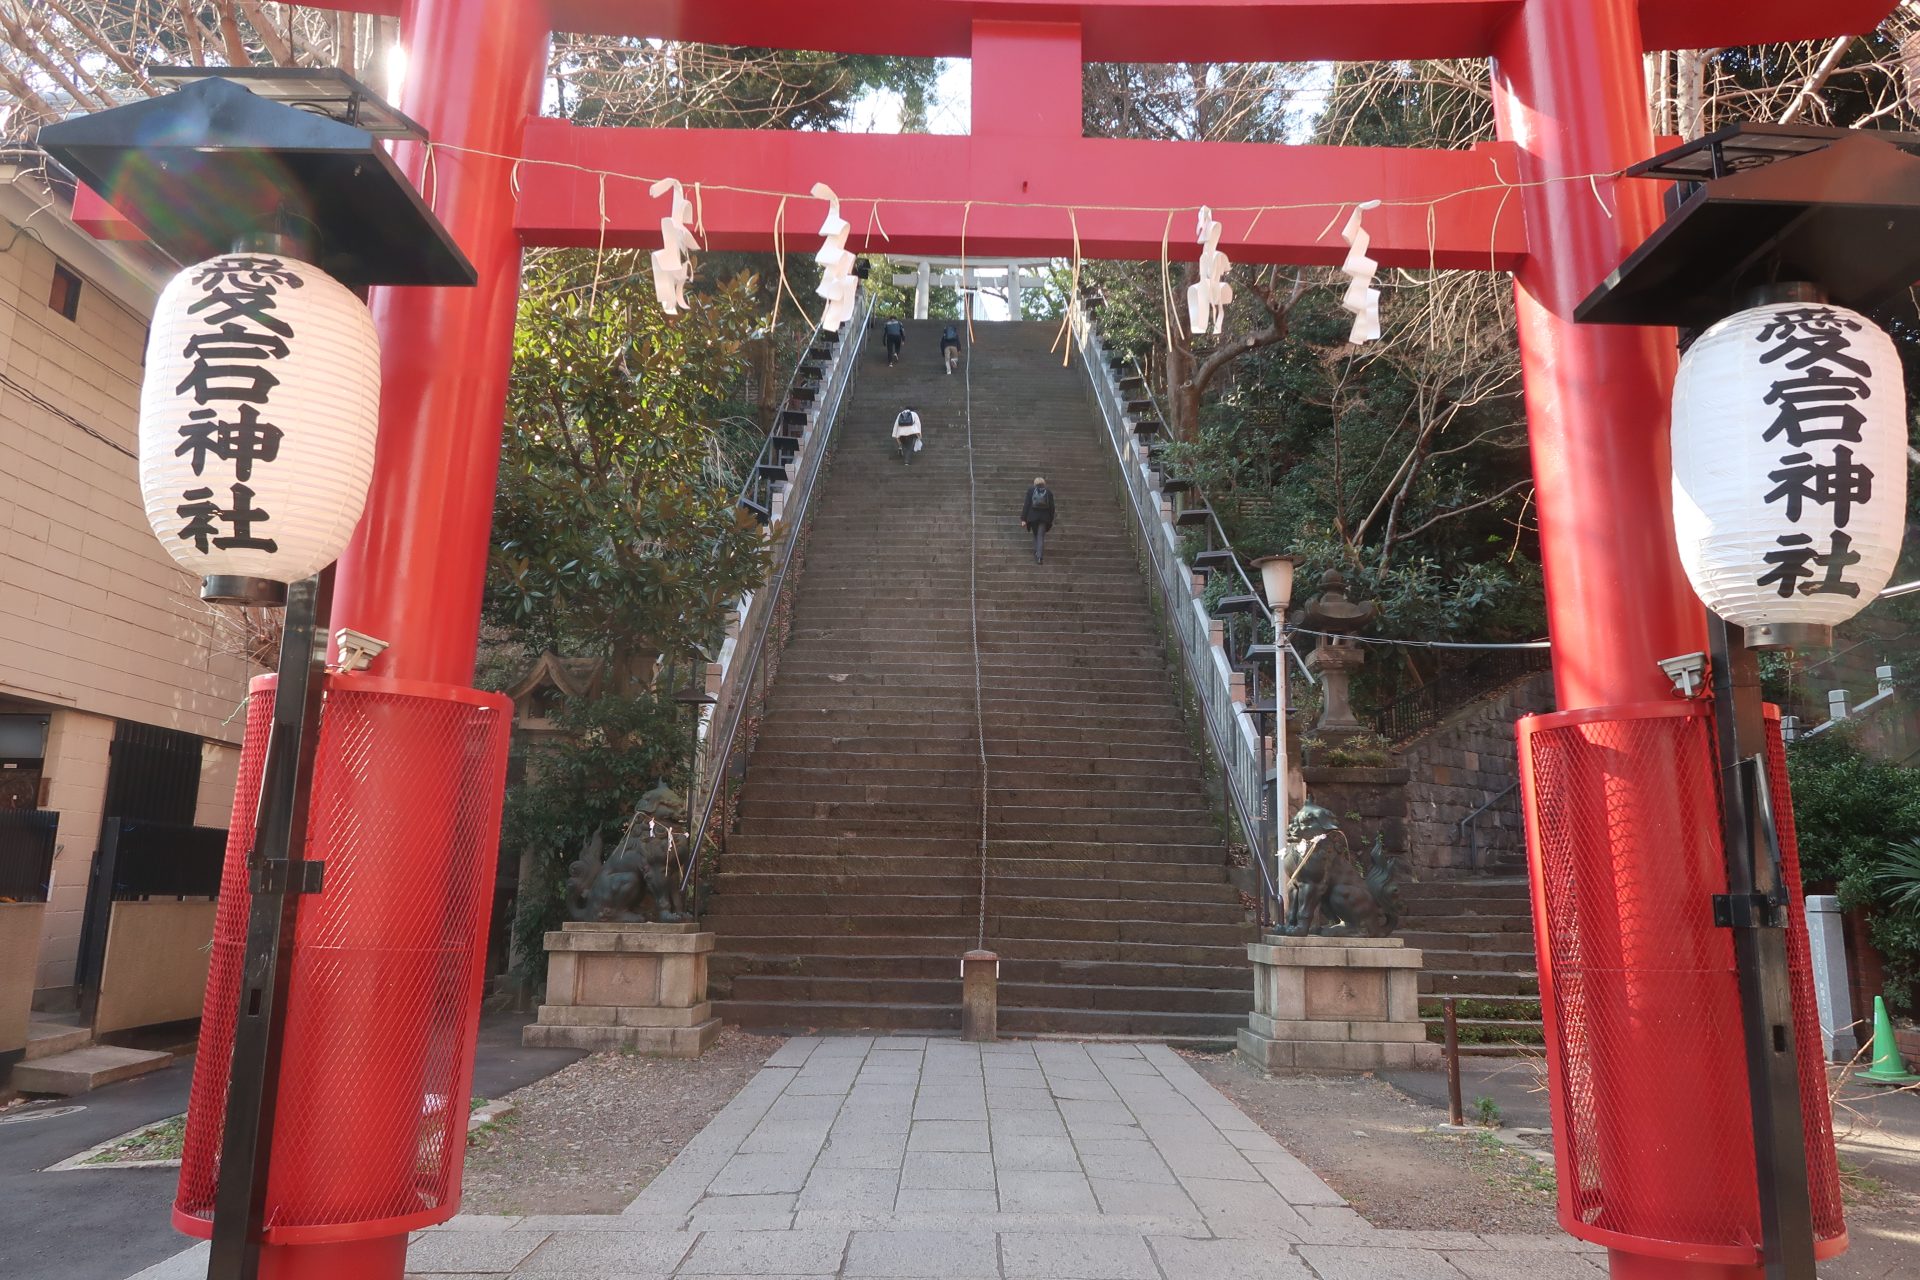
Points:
x=972 y=273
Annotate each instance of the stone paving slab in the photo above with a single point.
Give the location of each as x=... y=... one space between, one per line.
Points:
x=917 y=1158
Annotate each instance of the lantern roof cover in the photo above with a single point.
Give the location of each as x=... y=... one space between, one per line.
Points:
x=1772 y=204
x=323 y=91
x=203 y=167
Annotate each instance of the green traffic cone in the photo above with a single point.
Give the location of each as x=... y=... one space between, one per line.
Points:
x=1888 y=1067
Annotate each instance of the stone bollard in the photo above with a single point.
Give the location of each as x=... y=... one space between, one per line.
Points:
x=1832 y=993
x=979 y=999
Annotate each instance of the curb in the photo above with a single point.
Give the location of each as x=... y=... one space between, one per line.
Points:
x=476 y=1118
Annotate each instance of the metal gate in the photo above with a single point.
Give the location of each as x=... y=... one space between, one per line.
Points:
x=153 y=776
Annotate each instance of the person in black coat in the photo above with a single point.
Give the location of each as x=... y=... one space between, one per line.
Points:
x=1037 y=516
x=950 y=347
x=895 y=334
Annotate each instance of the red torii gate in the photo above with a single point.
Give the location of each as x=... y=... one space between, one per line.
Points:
x=1569 y=96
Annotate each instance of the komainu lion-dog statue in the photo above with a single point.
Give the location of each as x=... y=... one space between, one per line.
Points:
x=1329 y=892
x=643 y=869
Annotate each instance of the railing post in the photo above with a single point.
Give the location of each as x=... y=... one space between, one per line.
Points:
x=1456 y=1114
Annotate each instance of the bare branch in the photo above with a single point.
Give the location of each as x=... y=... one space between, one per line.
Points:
x=279 y=46
x=1450 y=513
x=1817 y=80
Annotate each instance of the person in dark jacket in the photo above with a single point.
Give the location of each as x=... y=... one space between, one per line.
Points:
x=896 y=335
x=1037 y=516
x=950 y=347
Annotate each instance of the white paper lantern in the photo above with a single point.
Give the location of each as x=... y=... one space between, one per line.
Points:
x=1789 y=464
x=258 y=416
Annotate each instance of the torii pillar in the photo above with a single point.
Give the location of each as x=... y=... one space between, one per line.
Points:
x=416 y=569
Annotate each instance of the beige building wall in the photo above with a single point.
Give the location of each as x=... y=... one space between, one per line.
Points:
x=76 y=772
x=97 y=623
x=219 y=770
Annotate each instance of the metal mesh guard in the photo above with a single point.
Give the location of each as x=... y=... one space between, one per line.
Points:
x=383 y=1000
x=1652 y=1131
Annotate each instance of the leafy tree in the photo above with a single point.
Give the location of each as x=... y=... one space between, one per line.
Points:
x=1403 y=463
x=616 y=534
x=615 y=528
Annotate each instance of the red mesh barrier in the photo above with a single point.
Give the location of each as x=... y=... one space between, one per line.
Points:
x=383 y=998
x=1652 y=1129
x=1823 y=1169
x=206 y=1104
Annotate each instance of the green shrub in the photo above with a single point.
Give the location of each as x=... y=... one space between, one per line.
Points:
x=1850 y=812
x=1356 y=751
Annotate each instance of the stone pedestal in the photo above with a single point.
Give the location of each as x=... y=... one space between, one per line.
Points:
x=627 y=986
x=1341 y=1004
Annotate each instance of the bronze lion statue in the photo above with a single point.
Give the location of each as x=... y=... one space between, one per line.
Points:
x=1328 y=891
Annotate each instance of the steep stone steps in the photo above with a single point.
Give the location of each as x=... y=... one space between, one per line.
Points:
x=1477 y=933
x=851 y=883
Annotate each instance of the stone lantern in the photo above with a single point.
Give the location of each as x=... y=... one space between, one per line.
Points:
x=1337 y=655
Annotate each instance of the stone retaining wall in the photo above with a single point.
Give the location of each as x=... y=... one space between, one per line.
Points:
x=1463 y=763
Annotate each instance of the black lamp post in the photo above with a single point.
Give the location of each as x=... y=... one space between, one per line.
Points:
x=275 y=179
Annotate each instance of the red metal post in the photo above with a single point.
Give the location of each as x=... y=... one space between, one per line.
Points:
x=1569 y=90
x=414 y=574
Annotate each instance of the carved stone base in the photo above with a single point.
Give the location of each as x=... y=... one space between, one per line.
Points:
x=1335 y=1004
x=627 y=986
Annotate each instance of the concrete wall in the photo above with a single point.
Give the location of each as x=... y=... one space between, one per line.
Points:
x=156 y=964
x=19 y=943
x=1459 y=766
x=78 y=746
x=97 y=623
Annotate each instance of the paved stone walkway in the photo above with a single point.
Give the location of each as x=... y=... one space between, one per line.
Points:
x=909 y=1157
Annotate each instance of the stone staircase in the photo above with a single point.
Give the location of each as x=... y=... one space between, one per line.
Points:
x=1477 y=933
x=853 y=881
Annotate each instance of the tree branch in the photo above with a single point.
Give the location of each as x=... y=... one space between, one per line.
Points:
x=1227 y=352
x=237 y=55
x=100 y=41
x=1817 y=80
x=1425 y=525
x=279 y=47
x=195 y=45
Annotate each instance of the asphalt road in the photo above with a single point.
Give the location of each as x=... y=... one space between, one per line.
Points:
x=107 y=1224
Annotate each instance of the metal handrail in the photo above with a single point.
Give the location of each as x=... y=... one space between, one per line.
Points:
x=1464 y=829
x=784 y=511
x=1419 y=709
x=1231 y=733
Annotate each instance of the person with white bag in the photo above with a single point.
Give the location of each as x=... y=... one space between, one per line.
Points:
x=906 y=434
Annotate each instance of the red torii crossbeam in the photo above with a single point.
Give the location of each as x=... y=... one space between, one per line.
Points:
x=1569 y=98
x=1179 y=30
